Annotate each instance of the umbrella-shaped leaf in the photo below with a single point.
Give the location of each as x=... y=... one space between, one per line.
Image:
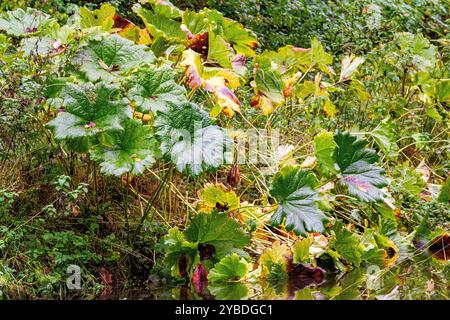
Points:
x=294 y=189
x=190 y=141
x=216 y=229
x=152 y=88
x=231 y=268
x=24 y=22
x=359 y=174
x=39 y=46
x=179 y=253
x=89 y=109
x=129 y=150
x=195 y=23
x=112 y=56
x=243 y=41
x=159 y=23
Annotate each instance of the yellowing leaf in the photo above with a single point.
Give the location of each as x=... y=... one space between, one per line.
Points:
x=219 y=197
x=300 y=250
x=102 y=18
x=226 y=99
x=262 y=103
x=273 y=258
x=319 y=57
x=215 y=80
x=329 y=108
x=193 y=64
x=136 y=34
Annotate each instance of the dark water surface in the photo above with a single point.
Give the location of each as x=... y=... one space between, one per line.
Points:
x=410 y=279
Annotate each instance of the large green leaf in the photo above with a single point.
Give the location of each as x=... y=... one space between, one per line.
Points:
x=195 y=22
x=228 y=291
x=39 y=46
x=88 y=110
x=159 y=24
x=347 y=244
x=243 y=41
x=152 y=88
x=230 y=268
x=175 y=246
x=112 y=56
x=24 y=22
x=219 y=51
x=294 y=190
x=190 y=141
x=270 y=83
x=362 y=178
x=165 y=8
x=216 y=229
x=129 y=150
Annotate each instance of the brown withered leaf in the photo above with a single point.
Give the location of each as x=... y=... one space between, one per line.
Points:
x=106 y=277
x=75 y=211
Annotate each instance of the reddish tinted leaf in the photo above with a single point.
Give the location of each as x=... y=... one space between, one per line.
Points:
x=206 y=251
x=238 y=63
x=440 y=247
x=199 y=43
x=235 y=175
x=302 y=275
x=200 y=278
x=183 y=263
x=122 y=23
x=105 y=276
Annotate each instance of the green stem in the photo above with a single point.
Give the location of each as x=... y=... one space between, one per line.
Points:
x=127 y=224
x=95 y=187
x=150 y=203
